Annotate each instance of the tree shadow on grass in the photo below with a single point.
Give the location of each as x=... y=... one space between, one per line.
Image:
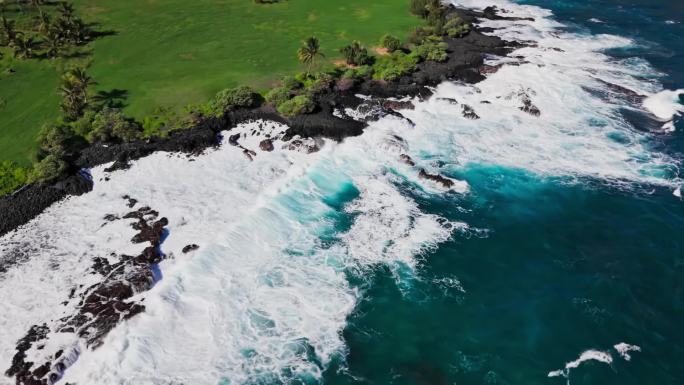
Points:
x=97 y=32
x=114 y=98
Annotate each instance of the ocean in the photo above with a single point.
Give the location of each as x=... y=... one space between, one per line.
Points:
x=556 y=258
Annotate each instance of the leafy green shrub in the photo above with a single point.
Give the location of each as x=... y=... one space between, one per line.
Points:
x=291 y=83
x=421 y=7
x=359 y=73
x=355 y=54
x=50 y=168
x=84 y=124
x=418 y=34
x=54 y=139
x=233 y=98
x=12 y=177
x=436 y=17
x=110 y=124
x=432 y=49
x=457 y=29
x=392 y=43
x=278 y=96
x=318 y=82
x=165 y=120
x=298 y=105
x=394 y=66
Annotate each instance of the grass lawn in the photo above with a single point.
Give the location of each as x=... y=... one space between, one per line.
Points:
x=169 y=53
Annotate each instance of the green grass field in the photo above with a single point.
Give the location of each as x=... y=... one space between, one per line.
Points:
x=169 y=53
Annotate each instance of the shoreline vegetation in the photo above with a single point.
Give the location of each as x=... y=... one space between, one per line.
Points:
x=446 y=46
x=88 y=118
x=150 y=59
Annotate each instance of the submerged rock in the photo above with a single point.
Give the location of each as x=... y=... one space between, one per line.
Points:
x=448 y=100
x=307 y=146
x=248 y=154
x=469 y=113
x=407 y=160
x=233 y=140
x=529 y=108
x=190 y=248
x=266 y=145
x=446 y=182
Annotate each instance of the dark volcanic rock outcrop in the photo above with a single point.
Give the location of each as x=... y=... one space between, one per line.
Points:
x=25 y=204
x=102 y=306
x=446 y=182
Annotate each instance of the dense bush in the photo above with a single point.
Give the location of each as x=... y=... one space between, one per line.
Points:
x=165 y=120
x=55 y=139
x=359 y=73
x=278 y=96
x=421 y=7
x=392 y=43
x=12 y=177
x=84 y=124
x=50 y=168
x=436 y=18
x=318 y=82
x=432 y=49
x=110 y=124
x=233 y=98
x=417 y=35
x=291 y=83
x=298 y=105
x=355 y=54
x=394 y=66
x=455 y=27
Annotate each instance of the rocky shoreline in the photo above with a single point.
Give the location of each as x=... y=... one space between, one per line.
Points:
x=99 y=307
x=465 y=63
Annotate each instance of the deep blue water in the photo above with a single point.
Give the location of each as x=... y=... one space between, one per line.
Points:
x=563 y=268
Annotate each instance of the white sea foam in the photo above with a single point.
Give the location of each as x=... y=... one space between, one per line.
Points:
x=260 y=298
x=587 y=355
x=623 y=349
x=605 y=357
x=580 y=132
x=665 y=105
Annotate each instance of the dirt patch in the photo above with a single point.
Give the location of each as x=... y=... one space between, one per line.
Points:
x=382 y=51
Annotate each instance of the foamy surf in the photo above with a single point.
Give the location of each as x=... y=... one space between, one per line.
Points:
x=601 y=356
x=666 y=106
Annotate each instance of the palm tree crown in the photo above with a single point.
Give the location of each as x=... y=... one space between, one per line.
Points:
x=310 y=51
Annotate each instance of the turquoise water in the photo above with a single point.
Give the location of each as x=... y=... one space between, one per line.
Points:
x=558 y=268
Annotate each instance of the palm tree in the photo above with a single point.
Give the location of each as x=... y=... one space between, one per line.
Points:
x=42 y=22
x=53 y=44
x=355 y=53
x=81 y=81
x=72 y=97
x=8 y=31
x=66 y=9
x=74 y=90
x=309 y=52
x=24 y=46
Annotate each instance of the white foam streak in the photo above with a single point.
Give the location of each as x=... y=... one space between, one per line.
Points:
x=588 y=355
x=665 y=105
x=623 y=349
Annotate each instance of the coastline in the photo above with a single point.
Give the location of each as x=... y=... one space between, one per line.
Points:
x=465 y=63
